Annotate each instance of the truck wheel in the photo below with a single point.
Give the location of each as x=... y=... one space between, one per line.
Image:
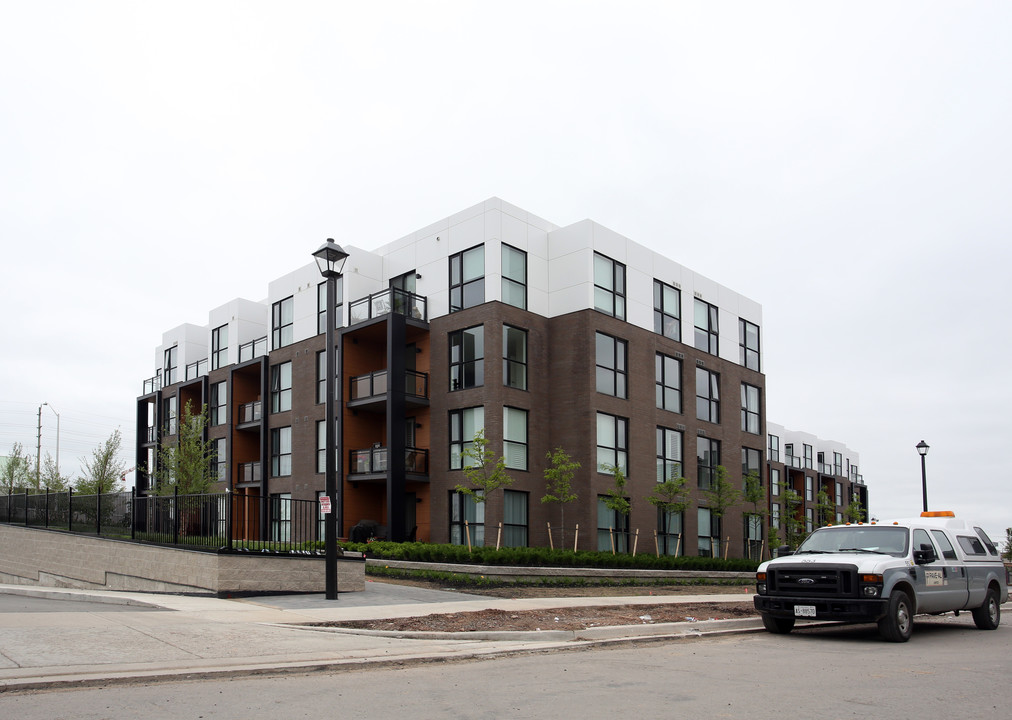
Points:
x=988 y=615
x=898 y=622
x=777 y=625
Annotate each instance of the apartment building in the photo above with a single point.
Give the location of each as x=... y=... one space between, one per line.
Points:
x=491 y=319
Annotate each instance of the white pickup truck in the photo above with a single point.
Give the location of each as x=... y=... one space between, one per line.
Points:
x=885 y=572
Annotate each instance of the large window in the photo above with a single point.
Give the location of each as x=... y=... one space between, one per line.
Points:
x=467 y=278
x=321 y=377
x=774 y=482
x=321 y=446
x=668 y=379
x=807 y=449
x=514 y=358
x=281 y=451
x=612 y=528
x=170 y=368
x=464 y=424
x=170 y=407
x=749 y=408
x=709 y=532
x=219 y=347
x=774 y=448
x=748 y=344
x=282 y=322
x=467 y=358
x=667 y=311
x=706 y=327
x=751 y=460
x=514 y=277
x=775 y=516
x=612 y=443
x=612 y=378
x=609 y=286
x=837 y=463
x=466 y=516
x=809 y=488
x=220 y=459
x=514 y=451
x=218 y=409
x=707 y=395
x=707 y=460
x=281 y=517
x=514 y=518
x=281 y=387
x=321 y=305
x=669 y=454
x=669 y=532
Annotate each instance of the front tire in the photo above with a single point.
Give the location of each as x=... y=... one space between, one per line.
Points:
x=777 y=625
x=898 y=623
x=988 y=615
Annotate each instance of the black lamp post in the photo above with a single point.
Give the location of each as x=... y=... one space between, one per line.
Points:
x=922 y=448
x=330 y=258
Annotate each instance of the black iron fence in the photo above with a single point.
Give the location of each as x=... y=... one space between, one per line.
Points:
x=218 y=522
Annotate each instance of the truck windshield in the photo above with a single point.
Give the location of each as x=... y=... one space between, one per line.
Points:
x=889 y=540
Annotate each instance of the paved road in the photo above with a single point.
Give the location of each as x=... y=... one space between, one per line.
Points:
x=948 y=670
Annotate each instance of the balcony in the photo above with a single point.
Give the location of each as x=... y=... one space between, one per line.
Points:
x=153 y=384
x=373 y=461
x=150 y=434
x=253 y=349
x=250 y=412
x=196 y=369
x=250 y=473
x=370 y=390
x=391 y=300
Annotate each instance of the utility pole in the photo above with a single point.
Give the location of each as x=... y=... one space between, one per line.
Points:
x=38 y=446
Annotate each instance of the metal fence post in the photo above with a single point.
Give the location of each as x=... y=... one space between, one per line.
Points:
x=98 y=513
x=70 y=509
x=133 y=513
x=26 y=508
x=175 y=515
x=228 y=516
x=47 y=507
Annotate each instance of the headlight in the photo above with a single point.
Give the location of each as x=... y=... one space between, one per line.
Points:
x=871 y=586
x=869 y=591
x=760 y=583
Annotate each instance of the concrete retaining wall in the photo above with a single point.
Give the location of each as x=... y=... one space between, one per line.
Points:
x=54 y=559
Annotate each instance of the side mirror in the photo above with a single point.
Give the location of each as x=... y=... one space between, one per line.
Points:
x=925 y=555
x=784 y=551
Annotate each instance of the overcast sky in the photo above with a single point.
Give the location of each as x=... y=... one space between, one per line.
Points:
x=847 y=165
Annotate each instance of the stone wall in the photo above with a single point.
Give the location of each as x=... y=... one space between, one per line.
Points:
x=54 y=559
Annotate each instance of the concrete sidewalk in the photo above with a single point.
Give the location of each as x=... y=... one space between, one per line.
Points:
x=177 y=637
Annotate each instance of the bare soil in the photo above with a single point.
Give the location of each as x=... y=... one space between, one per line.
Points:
x=569 y=618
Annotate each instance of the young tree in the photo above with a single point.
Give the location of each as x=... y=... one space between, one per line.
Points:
x=854 y=512
x=51 y=478
x=15 y=471
x=103 y=473
x=792 y=526
x=615 y=499
x=755 y=495
x=825 y=508
x=559 y=483
x=187 y=465
x=1008 y=545
x=671 y=497
x=484 y=470
x=722 y=495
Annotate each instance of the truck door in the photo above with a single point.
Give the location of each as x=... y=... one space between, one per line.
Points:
x=953 y=591
x=929 y=579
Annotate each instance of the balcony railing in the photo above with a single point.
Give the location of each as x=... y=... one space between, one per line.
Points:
x=253 y=349
x=416 y=384
x=153 y=384
x=374 y=460
x=391 y=300
x=151 y=434
x=250 y=412
x=196 y=369
x=250 y=472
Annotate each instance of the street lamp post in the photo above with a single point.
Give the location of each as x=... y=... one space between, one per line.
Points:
x=57 y=436
x=330 y=258
x=922 y=448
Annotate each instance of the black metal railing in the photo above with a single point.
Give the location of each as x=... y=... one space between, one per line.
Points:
x=253 y=349
x=220 y=522
x=196 y=369
x=374 y=460
x=250 y=472
x=375 y=384
x=391 y=300
x=250 y=412
x=152 y=384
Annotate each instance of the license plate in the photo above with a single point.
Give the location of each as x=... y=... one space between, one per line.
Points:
x=804 y=611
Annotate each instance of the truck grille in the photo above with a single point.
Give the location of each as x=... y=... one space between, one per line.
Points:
x=821 y=581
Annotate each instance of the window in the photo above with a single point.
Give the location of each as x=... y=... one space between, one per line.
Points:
x=609 y=286
x=282 y=319
x=464 y=425
x=669 y=454
x=612 y=528
x=467 y=278
x=668 y=379
x=218 y=410
x=667 y=311
x=514 y=360
x=321 y=446
x=170 y=373
x=611 y=365
x=220 y=460
x=809 y=489
x=281 y=451
x=321 y=305
x=774 y=448
x=669 y=532
x=748 y=344
x=775 y=516
x=169 y=410
x=707 y=460
x=466 y=516
x=839 y=493
x=514 y=277
x=751 y=459
x=948 y=552
x=281 y=517
x=789 y=452
x=709 y=533
x=514 y=438
x=774 y=482
x=970 y=545
x=321 y=518
x=809 y=519
x=281 y=387
x=514 y=518
x=612 y=443
x=467 y=358
x=707 y=395
x=321 y=377
x=219 y=347
x=837 y=463
x=808 y=456
x=749 y=408
x=706 y=327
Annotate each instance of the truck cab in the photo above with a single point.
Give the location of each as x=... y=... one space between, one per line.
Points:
x=885 y=572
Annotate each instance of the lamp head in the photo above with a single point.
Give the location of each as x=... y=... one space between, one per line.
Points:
x=922 y=448
x=330 y=258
